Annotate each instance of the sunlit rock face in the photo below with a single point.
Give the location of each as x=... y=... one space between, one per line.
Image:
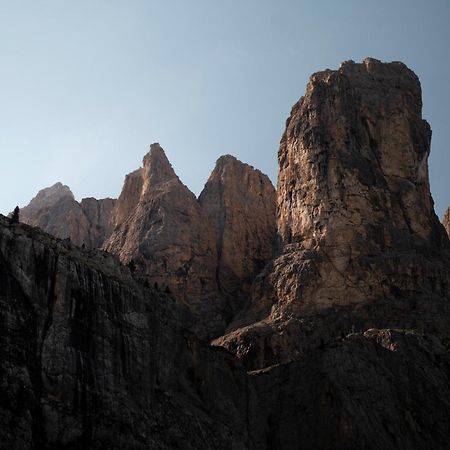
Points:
x=355 y=217
x=241 y=205
x=56 y=211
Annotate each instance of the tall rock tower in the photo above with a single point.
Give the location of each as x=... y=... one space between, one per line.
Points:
x=362 y=246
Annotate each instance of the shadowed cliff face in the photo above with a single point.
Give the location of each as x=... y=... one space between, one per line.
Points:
x=240 y=204
x=91 y=359
x=381 y=389
x=362 y=246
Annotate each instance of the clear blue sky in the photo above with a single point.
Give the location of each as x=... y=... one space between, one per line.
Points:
x=87 y=85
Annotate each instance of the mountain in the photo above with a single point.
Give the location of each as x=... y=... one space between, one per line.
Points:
x=205 y=252
x=328 y=300
x=159 y=224
x=361 y=245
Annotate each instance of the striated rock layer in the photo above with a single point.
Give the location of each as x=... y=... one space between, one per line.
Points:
x=362 y=246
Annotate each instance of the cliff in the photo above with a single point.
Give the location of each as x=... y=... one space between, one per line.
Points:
x=92 y=359
x=361 y=244
x=240 y=204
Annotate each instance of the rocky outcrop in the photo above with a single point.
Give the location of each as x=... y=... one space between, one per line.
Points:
x=240 y=203
x=92 y=359
x=446 y=221
x=56 y=211
x=160 y=226
x=362 y=246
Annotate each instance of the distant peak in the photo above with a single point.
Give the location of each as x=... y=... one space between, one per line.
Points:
x=51 y=195
x=56 y=190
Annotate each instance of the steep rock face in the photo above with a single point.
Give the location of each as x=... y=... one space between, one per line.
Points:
x=362 y=246
x=446 y=221
x=92 y=359
x=384 y=389
x=162 y=228
x=98 y=213
x=241 y=205
x=56 y=211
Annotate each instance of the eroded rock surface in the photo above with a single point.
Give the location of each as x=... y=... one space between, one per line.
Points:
x=362 y=246
x=240 y=203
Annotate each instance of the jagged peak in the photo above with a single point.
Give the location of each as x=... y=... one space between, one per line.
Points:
x=157 y=168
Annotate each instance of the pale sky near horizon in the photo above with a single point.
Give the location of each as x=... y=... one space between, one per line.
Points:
x=87 y=85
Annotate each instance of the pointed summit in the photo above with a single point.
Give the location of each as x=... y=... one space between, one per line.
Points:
x=157 y=168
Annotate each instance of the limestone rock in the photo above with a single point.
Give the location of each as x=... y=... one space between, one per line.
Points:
x=160 y=226
x=362 y=246
x=240 y=203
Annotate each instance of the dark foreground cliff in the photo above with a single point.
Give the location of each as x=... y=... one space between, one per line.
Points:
x=92 y=359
